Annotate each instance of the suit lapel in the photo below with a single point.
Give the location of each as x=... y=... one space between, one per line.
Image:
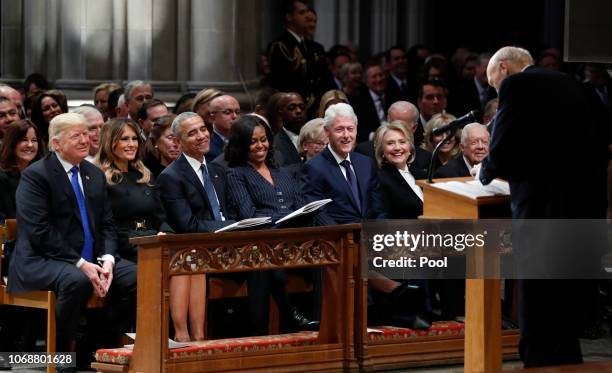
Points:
x=61 y=180
x=340 y=180
x=191 y=176
x=362 y=173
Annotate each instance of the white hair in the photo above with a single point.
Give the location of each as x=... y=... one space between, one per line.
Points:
x=514 y=54
x=88 y=112
x=61 y=123
x=177 y=123
x=121 y=100
x=133 y=84
x=403 y=106
x=338 y=110
x=465 y=132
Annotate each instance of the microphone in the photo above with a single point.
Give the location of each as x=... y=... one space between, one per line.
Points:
x=457 y=123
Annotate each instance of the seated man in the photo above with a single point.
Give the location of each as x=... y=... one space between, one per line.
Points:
x=474 y=148
x=66 y=239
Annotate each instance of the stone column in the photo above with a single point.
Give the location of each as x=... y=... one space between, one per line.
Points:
x=223 y=43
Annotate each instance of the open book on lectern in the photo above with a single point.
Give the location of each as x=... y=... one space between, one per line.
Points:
x=474 y=188
x=306 y=209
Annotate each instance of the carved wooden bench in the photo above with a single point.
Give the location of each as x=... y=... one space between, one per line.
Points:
x=160 y=257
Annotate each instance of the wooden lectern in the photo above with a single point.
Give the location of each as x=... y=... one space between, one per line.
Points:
x=483 y=332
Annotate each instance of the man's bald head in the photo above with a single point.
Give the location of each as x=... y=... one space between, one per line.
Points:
x=13 y=95
x=505 y=62
x=404 y=111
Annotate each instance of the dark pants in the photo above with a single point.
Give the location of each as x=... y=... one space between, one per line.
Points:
x=551 y=316
x=73 y=288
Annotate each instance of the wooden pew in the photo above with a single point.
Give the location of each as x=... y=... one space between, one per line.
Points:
x=160 y=257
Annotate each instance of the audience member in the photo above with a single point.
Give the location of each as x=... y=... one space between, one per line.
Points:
x=449 y=149
x=338 y=60
x=330 y=98
x=184 y=103
x=400 y=85
x=113 y=102
x=148 y=113
x=474 y=148
x=13 y=95
x=8 y=114
x=101 y=93
x=224 y=110
x=490 y=110
x=136 y=93
x=160 y=148
x=432 y=100
x=312 y=139
x=351 y=75
x=44 y=108
x=132 y=193
x=94 y=126
x=34 y=84
x=193 y=195
x=292 y=110
x=201 y=105
x=58 y=242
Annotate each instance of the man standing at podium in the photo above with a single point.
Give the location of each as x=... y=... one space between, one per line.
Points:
x=533 y=146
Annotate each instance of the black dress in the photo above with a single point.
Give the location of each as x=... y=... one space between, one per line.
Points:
x=137 y=210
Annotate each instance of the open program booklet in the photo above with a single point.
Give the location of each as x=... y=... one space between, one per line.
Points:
x=245 y=223
x=306 y=209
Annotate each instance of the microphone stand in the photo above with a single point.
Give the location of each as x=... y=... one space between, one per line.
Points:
x=433 y=157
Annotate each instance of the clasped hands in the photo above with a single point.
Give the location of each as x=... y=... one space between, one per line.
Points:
x=101 y=277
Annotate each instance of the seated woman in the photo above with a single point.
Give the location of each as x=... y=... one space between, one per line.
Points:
x=45 y=107
x=330 y=98
x=257 y=188
x=448 y=150
x=394 y=149
x=161 y=148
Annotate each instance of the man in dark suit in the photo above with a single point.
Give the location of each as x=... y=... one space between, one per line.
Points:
x=193 y=190
x=348 y=178
x=399 y=85
x=538 y=110
x=433 y=99
x=65 y=229
x=372 y=103
x=292 y=110
x=224 y=110
x=474 y=147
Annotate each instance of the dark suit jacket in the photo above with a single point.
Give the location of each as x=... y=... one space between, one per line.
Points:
x=250 y=195
x=463 y=97
x=454 y=168
x=367 y=116
x=538 y=110
x=400 y=200
x=322 y=178
x=216 y=147
x=8 y=187
x=50 y=229
x=284 y=146
x=185 y=200
x=395 y=92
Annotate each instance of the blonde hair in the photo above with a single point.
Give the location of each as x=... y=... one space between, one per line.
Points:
x=105 y=159
x=63 y=122
x=312 y=130
x=204 y=97
x=437 y=121
x=330 y=96
x=396 y=125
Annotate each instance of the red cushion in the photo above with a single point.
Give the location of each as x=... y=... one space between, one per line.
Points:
x=438 y=328
x=122 y=355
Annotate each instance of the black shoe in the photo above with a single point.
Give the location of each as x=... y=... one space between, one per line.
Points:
x=60 y=369
x=411 y=322
x=297 y=322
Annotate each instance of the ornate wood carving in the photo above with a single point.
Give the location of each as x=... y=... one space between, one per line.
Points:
x=264 y=255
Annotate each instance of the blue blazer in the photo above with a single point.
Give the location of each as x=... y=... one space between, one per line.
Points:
x=184 y=198
x=250 y=195
x=50 y=233
x=216 y=147
x=322 y=178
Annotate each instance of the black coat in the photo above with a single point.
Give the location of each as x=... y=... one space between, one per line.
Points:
x=456 y=167
x=50 y=230
x=401 y=201
x=134 y=202
x=288 y=153
x=185 y=200
x=8 y=188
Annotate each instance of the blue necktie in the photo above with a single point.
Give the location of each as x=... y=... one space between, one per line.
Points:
x=352 y=181
x=210 y=192
x=87 y=251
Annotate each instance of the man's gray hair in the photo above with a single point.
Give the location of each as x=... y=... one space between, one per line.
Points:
x=63 y=122
x=403 y=106
x=338 y=110
x=177 y=123
x=514 y=54
x=133 y=84
x=87 y=111
x=465 y=132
